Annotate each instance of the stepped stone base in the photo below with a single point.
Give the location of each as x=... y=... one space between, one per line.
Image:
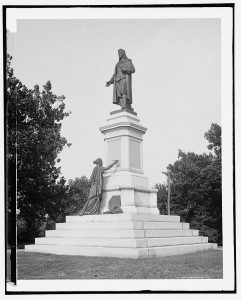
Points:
x=127 y=235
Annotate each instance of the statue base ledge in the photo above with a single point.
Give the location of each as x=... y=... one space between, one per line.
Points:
x=129 y=110
x=135 y=188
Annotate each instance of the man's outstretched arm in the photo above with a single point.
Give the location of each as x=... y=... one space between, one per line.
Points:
x=111 y=81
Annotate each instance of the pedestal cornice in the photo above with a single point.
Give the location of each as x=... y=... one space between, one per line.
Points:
x=121 y=125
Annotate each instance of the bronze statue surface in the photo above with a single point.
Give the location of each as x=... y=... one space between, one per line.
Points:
x=92 y=205
x=121 y=80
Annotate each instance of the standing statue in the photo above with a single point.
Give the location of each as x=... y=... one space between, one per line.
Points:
x=121 y=80
x=92 y=205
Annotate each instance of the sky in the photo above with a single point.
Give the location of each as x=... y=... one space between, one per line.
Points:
x=176 y=86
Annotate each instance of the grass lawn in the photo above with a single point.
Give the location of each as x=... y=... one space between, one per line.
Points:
x=47 y=266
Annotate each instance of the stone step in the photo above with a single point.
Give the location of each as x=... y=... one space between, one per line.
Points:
x=121 y=233
x=121 y=252
x=165 y=225
x=171 y=241
x=123 y=217
x=122 y=225
x=122 y=243
x=100 y=225
x=170 y=233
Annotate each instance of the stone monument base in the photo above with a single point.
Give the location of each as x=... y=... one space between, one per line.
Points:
x=128 y=235
x=123 y=135
x=133 y=199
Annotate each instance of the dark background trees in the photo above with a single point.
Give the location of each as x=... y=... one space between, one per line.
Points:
x=67 y=198
x=77 y=194
x=33 y=138
x=196 y=188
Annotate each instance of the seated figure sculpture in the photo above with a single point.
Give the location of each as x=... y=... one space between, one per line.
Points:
x=92 y=205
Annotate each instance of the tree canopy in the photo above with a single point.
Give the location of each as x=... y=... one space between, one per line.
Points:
x=34 y=141
x=196 y=188
x=77 y=194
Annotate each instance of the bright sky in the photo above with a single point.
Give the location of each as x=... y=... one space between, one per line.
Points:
x=176 y=87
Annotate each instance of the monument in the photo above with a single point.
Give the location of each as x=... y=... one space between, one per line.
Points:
x=123 y=136
x=120 y=217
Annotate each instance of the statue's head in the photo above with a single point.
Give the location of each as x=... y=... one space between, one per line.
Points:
x=98 y=161
x=122 y=53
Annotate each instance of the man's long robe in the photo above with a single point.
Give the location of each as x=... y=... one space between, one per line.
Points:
x=127 y=69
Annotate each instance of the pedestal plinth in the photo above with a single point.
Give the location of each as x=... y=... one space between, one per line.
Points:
x=123 y=136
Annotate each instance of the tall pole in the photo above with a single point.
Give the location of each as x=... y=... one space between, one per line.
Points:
x=169 y=194
x=168 y=173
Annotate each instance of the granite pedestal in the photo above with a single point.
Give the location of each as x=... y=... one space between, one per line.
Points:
x=123 y=136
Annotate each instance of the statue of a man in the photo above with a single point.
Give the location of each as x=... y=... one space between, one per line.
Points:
x=121 y=80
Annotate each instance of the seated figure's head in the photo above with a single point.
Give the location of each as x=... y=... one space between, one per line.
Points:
x=98 y=161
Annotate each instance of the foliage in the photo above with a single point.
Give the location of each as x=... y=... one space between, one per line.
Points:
x=162 y=197
x=27 y=231
x=214 y=138
x=77 y=194
x=55 y=208
x=33 y=138
x=196 y=188
x=67 y=199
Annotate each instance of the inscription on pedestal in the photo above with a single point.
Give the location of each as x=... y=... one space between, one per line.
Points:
x=135 y=154
x=114 y=151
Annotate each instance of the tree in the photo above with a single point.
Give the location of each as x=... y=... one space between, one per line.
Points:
x=162 y=194
x=67 y=199
x=33 y=140
x=214 y=138
x=196 y=188
x=77 y=194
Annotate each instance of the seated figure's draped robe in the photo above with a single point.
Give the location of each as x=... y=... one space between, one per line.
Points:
x=92 y=205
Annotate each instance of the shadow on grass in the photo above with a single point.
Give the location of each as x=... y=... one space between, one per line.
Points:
x=208 y=265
